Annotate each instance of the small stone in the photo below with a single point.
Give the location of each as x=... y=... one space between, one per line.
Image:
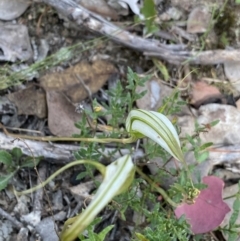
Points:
x=232 y=72
x=198 y=20
x=11 y=9
x=171 y=14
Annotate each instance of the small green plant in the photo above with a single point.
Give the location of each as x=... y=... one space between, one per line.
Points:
x=11 y=78
x=232 y=229
x=200 y=150
x=12 y=162
x=119 y=183
x=149 y=12
x=92 y=236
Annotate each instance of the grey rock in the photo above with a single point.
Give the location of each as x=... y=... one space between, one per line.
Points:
x=11 y=9
x=15 y=43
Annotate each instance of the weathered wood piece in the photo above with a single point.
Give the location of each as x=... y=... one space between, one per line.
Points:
x=175 y=54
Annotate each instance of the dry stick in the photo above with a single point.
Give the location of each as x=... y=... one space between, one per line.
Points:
x=175 y=54
x=53 y=152
x=38 y=195
x=16 y=223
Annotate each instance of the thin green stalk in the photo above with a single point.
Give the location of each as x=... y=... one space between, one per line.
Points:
x=54 y=138
x=98 y=165
x=159 y=189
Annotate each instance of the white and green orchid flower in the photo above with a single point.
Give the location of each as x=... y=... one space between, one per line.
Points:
x=157 y=127
x=118 y=177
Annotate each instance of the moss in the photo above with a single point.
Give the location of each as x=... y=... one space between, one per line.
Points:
x=226 y=21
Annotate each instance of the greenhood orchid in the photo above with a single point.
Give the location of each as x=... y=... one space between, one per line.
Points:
x=118 y=177
x=157 y=127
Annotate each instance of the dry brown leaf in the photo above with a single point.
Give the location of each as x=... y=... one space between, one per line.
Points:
x=30 y=101
x=61 y=115
x=70 y=82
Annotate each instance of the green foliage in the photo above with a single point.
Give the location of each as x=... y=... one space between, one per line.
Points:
x=162 y=68
x=200 y=150
x=172 y=104
x=149 y=12
x=232 y=229
x=121 y=101
x=12 y=162
x=160 y=221
x=10 y=78
x=5 y=179
x=164 y=226
x=5 y=158
x=92 y=236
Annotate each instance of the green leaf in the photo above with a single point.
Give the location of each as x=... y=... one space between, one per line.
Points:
x=31 y=162
x=16 y=153
x=234 y=216
x=162 y=68
x=141 y=237
x=91 y=236
x=81 y=175
x=190 y=139
x=5 y=179
x=205 y=146
x=213 y=123
x=203 y=156
x=104 y=232
x=149 y=12
x=179 y=188
x=233 y=236
x=5 y=158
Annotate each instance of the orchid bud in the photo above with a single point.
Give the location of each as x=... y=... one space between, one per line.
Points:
x=157 y=127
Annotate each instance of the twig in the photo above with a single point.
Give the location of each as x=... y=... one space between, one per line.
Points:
x=174 y=55
x=38 y=195
x=6 y=215
x=52 y=152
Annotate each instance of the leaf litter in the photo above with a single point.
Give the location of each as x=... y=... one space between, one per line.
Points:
x=81 y=77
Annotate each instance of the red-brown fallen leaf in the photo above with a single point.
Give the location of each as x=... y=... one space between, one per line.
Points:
x=202 y=93
x=209 y=210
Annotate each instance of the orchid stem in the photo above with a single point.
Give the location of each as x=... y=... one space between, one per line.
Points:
x=54 y=138
x=98 y=165
x=159 y=189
